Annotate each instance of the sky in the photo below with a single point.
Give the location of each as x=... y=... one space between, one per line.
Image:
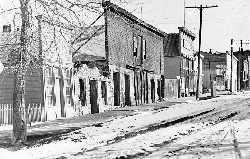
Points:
x=230 y=20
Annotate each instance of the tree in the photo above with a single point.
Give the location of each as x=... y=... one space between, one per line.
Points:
x=73 y=13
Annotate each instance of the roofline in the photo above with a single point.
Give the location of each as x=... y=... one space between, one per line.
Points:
x=188 y=32
x=113 y=7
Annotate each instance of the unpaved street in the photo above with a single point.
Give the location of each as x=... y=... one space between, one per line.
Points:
x=212 y=134
x=217 y=127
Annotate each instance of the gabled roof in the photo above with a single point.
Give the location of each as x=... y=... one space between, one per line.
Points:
x=114 y=8
x=171 y=45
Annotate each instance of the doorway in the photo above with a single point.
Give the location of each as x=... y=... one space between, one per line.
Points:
x=116 y=78
x=82 y=91
x=152 y=90
x=127 y=90
x=93 y=96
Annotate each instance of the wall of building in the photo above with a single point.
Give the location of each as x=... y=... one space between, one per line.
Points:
x=234 y=73
x=86 y=73
x=120 y=44
x=172 y=67
x=33 y=87
x=120 y=36
x=134 y=84
x=54 y=45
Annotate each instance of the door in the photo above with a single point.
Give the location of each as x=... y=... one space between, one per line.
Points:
x=146 y=87
x=82 y=91
x=159 y=89
x=104 y=92
x=93 y=96
x=152 y=90
x=116 y=78
x=58 y=98
x=127 y=90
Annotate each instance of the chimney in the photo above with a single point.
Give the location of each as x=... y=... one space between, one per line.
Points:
x=7 y=28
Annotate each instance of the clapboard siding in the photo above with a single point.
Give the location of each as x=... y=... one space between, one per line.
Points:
x=6 y=87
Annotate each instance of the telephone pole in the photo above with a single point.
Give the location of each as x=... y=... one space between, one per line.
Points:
x=199 y=53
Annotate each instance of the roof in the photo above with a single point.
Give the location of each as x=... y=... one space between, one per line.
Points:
x=188 y=32
x=86 y=57
x=219 y=57
x=114 y=8
x=171 y=45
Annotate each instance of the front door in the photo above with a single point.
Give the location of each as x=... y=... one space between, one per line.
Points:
x=82 y=91
x=127 y=90
x=93 y=96
x=116 y=78
x=152 y=90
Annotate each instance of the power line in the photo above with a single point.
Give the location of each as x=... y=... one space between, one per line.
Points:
x=199 y=53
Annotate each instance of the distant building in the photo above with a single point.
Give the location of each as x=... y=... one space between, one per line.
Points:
x=217 y=67
x=179 y=57
x=243 y=68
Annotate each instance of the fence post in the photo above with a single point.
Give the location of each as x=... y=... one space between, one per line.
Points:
x=1 y=114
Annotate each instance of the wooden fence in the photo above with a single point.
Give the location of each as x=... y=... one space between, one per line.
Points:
x=35 y=113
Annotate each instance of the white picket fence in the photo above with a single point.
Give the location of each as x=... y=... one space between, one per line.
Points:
x=35 y=113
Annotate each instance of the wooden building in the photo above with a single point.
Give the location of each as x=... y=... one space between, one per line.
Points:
x=179 y=57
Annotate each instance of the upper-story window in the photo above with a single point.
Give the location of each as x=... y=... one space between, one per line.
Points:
x=139 y=50
x=7 y=28
x=144 y=48
x=135 y=46
x=139 y=55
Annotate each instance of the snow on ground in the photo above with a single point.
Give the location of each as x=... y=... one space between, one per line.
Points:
x=97 y=136
x=218 y=141
x=89 y=138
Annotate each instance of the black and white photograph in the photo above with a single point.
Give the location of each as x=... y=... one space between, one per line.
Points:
x=124 y=79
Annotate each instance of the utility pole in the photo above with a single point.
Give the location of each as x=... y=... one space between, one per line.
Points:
x=199 y=53
x=231 y=75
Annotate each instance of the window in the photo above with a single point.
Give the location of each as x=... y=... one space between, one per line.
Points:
x=144 y=48
x=139 y=51
x=68 y=86
x=49 y=82
x=135 y=46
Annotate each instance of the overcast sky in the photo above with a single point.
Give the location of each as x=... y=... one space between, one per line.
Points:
x=231 y=20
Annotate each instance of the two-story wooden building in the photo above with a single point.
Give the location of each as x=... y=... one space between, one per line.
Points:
x=49 y=75
x=179 y=57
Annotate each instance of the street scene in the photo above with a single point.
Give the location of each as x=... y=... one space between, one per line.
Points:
x=123 y=79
